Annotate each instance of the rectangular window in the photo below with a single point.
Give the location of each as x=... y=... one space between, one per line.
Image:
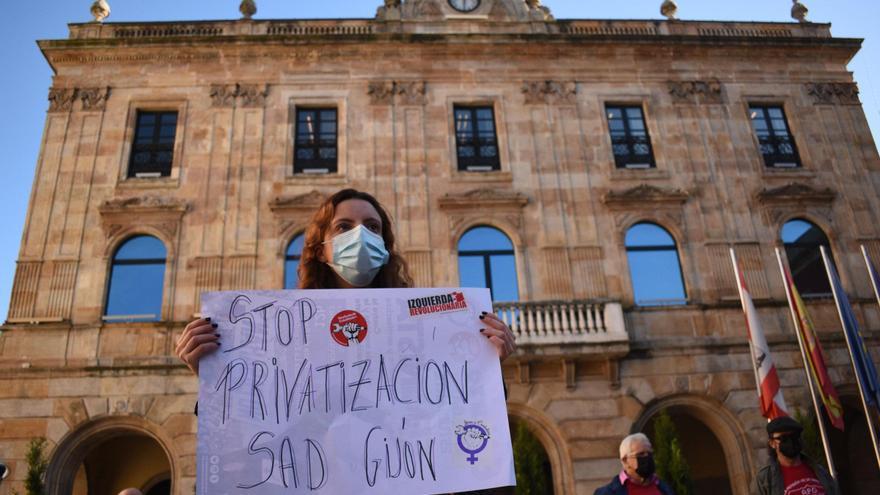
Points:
x=153 y=148
x=476 y=144
x=315 y=146
x=629 y=137
x=775 y=140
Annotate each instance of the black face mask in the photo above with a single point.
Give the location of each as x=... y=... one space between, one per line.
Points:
x=790 y=446
x=646 y=466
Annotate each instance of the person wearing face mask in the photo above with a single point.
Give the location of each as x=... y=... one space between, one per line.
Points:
x=637 y=476
x=789 y=471
x=349 y=243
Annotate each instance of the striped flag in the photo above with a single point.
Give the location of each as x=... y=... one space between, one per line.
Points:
x=862 y=362
x=815 y=357
x=769 y=389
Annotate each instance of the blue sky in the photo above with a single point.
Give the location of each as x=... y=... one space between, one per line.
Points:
x=26 y=76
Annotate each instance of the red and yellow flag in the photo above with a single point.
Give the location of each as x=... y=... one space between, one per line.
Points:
x=815 y=358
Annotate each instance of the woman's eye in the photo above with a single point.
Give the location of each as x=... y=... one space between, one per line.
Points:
x=342 y=227
x=374 y=228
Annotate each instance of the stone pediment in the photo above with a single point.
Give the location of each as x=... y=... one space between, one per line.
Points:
x=796 y=193
x=143 y=204
x=299 y=203
x=645 y=194
x=484 y=198
x=440 y=10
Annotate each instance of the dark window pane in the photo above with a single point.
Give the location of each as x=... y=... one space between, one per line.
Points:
x=136 y=279
x=316 y=140
x=476 y=145
x=774 y=139
x=630 y=143
x=153 y=149
x=802 y=240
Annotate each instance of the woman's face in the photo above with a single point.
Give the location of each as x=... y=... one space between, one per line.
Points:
x=348 y=215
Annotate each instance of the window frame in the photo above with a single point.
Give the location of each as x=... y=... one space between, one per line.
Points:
x=676 y=248
x=302 y=170
x=154 y=147
x=151 y=105
x=480 y=164
x=773 y=161
x=486 y=256
x=622 y=163
x=112 y=262
x=828 y=246
x=286 y=258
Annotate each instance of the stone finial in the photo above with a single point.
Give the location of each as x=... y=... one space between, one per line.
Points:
x=100 y=10
x=669 y=9
x=247 y=8
x=799 y=11
x=392 y=4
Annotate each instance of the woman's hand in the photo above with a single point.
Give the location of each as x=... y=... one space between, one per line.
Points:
x=199 y=338
x=499 y=335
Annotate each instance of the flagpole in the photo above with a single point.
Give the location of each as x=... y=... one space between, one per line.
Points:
x=870 y=270
x=751 y=345
x=852 y=356
x=800 y=339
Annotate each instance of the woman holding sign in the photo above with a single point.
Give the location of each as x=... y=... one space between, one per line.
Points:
x=349 y=244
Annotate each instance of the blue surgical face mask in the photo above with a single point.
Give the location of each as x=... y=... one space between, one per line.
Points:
x=358 y=254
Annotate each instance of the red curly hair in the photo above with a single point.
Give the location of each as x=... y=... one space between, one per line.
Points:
x=315 y=274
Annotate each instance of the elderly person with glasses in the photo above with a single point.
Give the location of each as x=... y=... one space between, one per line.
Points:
x=637 y=476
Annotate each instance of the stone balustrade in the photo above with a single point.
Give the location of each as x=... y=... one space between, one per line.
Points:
x=575 y=28
x=564 y=322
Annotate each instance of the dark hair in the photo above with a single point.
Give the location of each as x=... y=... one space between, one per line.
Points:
x=315 y=274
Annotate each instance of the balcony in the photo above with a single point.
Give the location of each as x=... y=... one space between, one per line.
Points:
x=556 y=323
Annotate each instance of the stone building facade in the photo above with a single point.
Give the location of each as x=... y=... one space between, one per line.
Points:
x=593 y=364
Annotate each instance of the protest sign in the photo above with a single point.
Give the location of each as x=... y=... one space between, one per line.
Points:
x=351 y=391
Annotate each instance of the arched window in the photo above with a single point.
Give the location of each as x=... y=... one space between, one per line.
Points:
x=802 y=240
x=291 y=261
x=136 y=280
x=486 y=259
x=654 y=266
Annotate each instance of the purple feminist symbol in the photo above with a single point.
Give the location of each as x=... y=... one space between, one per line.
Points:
x=472 y=439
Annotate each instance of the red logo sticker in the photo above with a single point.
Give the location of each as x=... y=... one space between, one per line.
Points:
x=348 y=327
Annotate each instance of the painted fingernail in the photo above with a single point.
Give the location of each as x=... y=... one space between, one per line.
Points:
x=482 y=316
x=207 y=318
x=214 y=325
x=482 y=330
x=218 y=343
x=484 y=313
x=218 y=335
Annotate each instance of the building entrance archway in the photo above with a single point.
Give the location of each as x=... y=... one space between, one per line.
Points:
x=712 y=440
x=852 y=451
x=108 y=455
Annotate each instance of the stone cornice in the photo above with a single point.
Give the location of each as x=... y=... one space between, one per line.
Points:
x=300 y=203
x=482 y=199
x=645 y=195
x=143 y=204
x=795 y=193
x=830 y=93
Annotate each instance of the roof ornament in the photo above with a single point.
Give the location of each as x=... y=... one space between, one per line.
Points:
x=669 y=9
x=100 y=10
x=799 y=11
x=247 y=8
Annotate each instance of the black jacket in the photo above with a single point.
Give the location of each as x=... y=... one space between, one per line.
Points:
x=615 y=488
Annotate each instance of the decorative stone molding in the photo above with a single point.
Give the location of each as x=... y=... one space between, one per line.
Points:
x=381 y=92
x=538 y=12
x=94 y=98
x=842 y=93
x=669 y=10
x=100 y=10
x=247 y=8
x=500 y=208
x=644 y=196
x=411 y=92
x=696 y=91
x=408 y=92
x=61 y=99
x=797 y=194
x=292 y=210
x=247 y=95
x=538 y=92
x=162 y=214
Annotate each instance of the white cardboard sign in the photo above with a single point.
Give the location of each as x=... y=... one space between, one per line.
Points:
x=351 y=392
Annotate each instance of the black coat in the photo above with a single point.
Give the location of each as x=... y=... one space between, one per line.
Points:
x=616 y=488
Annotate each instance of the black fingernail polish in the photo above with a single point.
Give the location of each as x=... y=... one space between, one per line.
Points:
x=482 y=316
x=207 y=318
x=214 y=325
x=218 y=343
x=218 y=335
x=482 y=330
x=484 y=313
